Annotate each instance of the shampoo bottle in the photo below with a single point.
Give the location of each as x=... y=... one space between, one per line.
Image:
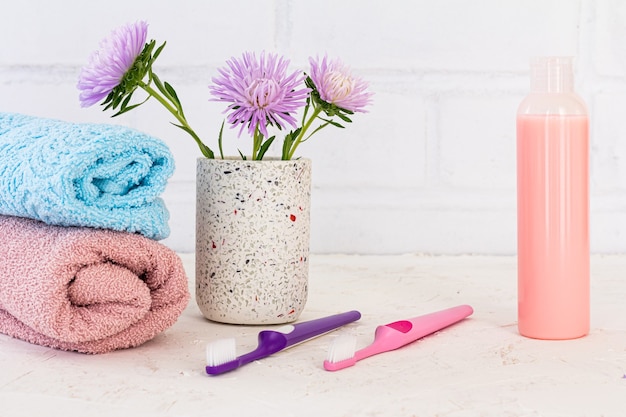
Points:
x=553 y=205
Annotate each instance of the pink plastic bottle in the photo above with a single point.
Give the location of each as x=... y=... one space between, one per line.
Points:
x=553 y=205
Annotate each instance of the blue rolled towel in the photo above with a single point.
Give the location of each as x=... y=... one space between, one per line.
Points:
x=83 y=174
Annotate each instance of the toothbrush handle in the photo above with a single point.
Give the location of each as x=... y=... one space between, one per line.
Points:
x=309 y=329
x=430 y=323
x=399 y=333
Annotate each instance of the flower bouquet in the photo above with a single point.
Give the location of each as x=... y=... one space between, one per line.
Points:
x=260 y=91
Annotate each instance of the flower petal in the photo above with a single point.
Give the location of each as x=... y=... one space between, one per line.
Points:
x=260 y=91
x=336 y=85
x=106 y=67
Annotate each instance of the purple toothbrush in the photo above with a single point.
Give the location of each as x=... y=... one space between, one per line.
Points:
x=221 y=355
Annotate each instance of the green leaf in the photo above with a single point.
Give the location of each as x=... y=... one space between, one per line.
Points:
x=145 y=57
x=126 y=101
x=168 y=91
x=158 y=51
x=161 y=87
x=158 y=83
x=173 y=94
x=108 y=99
x=344 y=118
x=242 y=155
x=142 y=63
x=125 y=109
x=308 y=81
x=264 y=147
x=306 y=108
x=317 y=129
x=290 y=138
x=219 y=140
x=206 y=151
x=108 y=103
x=116 y=101
x=147 y=50
x=332 y=122
x=286 y=146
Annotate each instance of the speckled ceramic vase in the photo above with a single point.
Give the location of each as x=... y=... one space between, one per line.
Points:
x=252 y=239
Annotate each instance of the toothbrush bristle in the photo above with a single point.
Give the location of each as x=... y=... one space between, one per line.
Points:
x=221 y=352
x=342 y=348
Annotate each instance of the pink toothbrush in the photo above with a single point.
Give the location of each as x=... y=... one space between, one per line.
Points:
x=341 y=353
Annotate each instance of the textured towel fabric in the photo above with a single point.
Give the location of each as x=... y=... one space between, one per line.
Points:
x=86 y=289
x=94 y=175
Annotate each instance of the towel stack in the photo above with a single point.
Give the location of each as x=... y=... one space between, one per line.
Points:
x=80 y=216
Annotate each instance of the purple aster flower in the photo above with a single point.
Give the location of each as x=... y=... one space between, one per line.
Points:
x=260 y=91
x=108 y=65
x=337 y=86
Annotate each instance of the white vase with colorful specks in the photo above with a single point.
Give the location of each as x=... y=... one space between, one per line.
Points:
x=252 y=239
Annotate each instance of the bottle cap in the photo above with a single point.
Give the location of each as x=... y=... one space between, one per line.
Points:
x=551 y=74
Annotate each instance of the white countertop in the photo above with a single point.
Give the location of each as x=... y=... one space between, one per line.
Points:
x=479 y=367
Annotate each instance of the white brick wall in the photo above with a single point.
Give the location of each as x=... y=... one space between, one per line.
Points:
x=431 y=168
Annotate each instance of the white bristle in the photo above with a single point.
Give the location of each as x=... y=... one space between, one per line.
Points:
x=220 y=352
x=342 y=348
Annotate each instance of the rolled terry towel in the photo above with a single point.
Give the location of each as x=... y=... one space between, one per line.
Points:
x=85 y=289
x=94 y=175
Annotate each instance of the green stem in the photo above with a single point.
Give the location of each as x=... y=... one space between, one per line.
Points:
x=179 y=116
x=256 y=142
x=305 y=127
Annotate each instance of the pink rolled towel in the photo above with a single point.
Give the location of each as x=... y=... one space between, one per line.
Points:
x=84 y=289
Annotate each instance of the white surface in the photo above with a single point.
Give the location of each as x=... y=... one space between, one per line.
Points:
x=479 y=367
x=447 y=75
